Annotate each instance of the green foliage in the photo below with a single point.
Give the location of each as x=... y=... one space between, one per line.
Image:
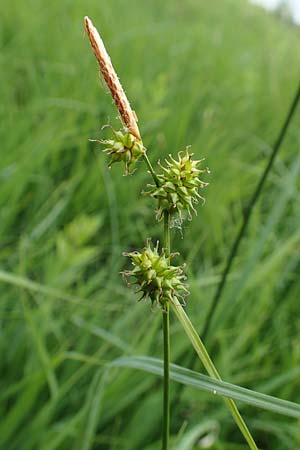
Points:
x=218 y=387
x=217 y=75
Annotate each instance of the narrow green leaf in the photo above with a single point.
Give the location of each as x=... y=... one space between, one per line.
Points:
x=216 y=387
x=33 y=286
x=94 y=408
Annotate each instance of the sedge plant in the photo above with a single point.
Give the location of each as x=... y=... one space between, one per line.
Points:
x=175 y=188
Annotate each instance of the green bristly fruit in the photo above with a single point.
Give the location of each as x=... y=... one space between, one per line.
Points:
x=155 y=277
x=123 y=147
x=178 y=186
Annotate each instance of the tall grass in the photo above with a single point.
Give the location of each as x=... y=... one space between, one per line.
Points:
x=227 y=68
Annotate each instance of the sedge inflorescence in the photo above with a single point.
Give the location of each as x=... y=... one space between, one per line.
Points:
x=155 y=277
x=177 y=190
x=127 y=115
x=124 y=146
x=178 y=187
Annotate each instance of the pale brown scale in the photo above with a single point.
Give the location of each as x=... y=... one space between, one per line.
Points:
x=109 y=74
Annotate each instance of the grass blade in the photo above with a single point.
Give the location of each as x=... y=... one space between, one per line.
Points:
x=216 y=387
x=26 y=283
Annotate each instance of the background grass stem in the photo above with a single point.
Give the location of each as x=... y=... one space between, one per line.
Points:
x=249 y=210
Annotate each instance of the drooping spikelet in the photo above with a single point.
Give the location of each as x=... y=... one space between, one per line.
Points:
x=123 y=147
x=154 y=275
x=179 y=185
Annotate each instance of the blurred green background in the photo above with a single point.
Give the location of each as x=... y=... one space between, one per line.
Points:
x=218 y=75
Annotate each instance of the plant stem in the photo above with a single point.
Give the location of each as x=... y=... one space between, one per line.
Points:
x=151 y=170
x=211 y=369
x=166 y=407
x=166 y=339
x=167 y=244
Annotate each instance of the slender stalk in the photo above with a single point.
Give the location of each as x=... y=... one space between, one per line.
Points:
x=167 y=244
x=166 y=382
x=248 y=212
x=211 y=369
x=166 y=339
x=151 y=170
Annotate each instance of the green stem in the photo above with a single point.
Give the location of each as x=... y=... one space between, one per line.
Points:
x=167 y=244
x=166 y=408
x=211 y=369
x=166 y=339
x=151 y=170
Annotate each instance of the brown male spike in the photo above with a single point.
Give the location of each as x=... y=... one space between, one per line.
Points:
x=111 y=78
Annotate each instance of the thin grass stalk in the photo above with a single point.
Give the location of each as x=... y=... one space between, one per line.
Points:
x=167 y=350
x=248 y=212
x=151 y=170
x=166 y=379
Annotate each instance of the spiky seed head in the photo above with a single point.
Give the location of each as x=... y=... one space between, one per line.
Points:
x=155 y=277
x=123 y=147
x=179 y=185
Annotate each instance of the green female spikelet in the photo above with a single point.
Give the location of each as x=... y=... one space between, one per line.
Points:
x=155 y=277
x=178 y=186
x=124 y=146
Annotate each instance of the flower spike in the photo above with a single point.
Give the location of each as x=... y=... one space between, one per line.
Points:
x=155 y=277
x=123 y=147
x=178 y=187
x=111 y=78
